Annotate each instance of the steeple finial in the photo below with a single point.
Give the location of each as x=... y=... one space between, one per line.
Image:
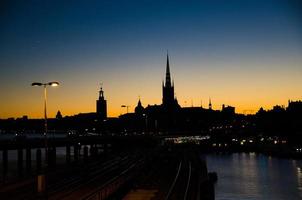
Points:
x=168 y=65
x=168 y=76
x=139 y=99
x=101 y=93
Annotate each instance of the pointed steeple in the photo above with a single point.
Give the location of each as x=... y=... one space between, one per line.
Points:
x=139 y=101
x=210 y=104
x=169 y=97
x=168 y=65
x=101 y=94
x=168 y=76
x=139 y=109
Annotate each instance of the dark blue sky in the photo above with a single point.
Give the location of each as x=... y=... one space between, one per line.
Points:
x=122 y=43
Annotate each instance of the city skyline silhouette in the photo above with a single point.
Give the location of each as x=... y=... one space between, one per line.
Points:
x=186 y=104
x=151 y=99
x=244 y=54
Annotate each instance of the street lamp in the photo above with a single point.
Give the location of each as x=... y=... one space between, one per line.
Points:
x=53 y=84
x=41 y=179
x=125 y=106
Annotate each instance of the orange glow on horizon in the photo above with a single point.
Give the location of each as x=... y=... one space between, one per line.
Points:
x=244 y=89
x=117 y=110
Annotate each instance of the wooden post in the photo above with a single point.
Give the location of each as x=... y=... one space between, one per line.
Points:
x=20 y=161
x=41 y=186
x=76 y=152
x=92 y=150
x=28 y=160
x=39 y=160
x=5 y=162
x=85 y=153
x=54 y=155
x=68 y=154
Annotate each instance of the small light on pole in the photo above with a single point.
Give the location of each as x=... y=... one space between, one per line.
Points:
x=125 y=106
x=41 y=178
x=53 y=84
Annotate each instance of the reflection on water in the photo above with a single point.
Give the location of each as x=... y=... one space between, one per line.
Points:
x=299 y=177
x=249 y=176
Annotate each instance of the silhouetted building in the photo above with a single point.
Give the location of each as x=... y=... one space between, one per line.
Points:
x=139 y=109
x=261 y=111
x=58 y=115
x=167 y=118
x=169 y=101
x=278 y=108
x=101 y=105
x=210 y=104
x=25 y=117
x=295 y=106
x=228 y=109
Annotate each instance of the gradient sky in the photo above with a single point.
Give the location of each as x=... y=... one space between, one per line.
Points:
x=244 y=53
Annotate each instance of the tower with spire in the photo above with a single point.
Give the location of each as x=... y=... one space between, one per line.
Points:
x=139 y=109
x=210 y=104
x=168 y=89
x=101 y=105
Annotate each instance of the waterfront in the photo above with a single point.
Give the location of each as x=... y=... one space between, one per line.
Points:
x=250 y=176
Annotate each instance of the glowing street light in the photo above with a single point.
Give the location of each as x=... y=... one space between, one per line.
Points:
x=53 y=84
x=41 y=178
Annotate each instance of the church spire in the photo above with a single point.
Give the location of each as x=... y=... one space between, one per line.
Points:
x=139 y=101
x=101 y=93
x=101 y=105
x=168 y=76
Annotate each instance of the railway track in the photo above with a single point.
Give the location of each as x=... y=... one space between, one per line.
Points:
x=65 y=187
x=173 y=175
x=82 y=187
x=182 y=183
x=167 y=174
x=70 y=185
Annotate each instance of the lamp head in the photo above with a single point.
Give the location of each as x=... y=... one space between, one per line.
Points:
x=36 y=84
x=54 y=83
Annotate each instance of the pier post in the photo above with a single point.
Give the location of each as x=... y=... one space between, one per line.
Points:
x=54 y=155
x=92 y=154
x=39 y=160
x=85 y=153
x=105 y=148
x=76 y=152
x=68 y=154
x=95 y=150
x=20 y=161
x=4 y=162
x=28 y=160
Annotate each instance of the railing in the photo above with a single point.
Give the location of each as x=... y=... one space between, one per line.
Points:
x=174 y=182
x=111 y=186
x=188 y=182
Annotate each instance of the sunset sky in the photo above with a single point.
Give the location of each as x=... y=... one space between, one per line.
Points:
x=244 y=53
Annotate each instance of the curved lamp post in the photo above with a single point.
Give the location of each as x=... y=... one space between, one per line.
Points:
x=53 y=84
x=41 y=178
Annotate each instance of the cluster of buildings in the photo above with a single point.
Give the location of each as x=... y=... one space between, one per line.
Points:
x=170 y=118
x=167 y=117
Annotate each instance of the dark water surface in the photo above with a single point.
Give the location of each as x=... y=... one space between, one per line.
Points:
x=250 y=176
